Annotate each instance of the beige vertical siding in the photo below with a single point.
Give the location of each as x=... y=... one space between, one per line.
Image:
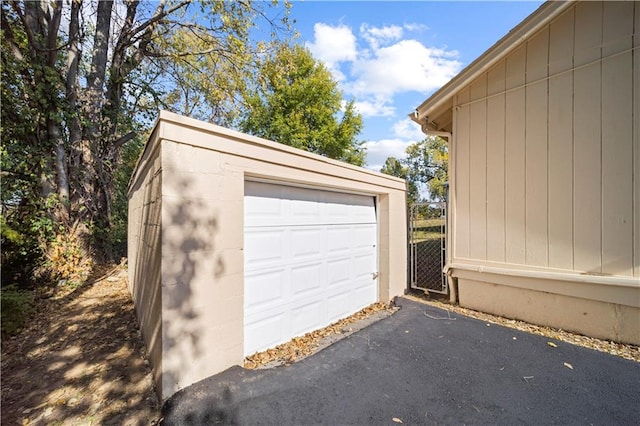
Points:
x=496 y=164
x=514 y=157
x=617 y=140
x=461 y=213
x=547 y=149
x=536 y=209
x=478 y=169
x=587 y=139
x=560 y=130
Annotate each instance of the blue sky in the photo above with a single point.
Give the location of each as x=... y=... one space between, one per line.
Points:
x=390 y=55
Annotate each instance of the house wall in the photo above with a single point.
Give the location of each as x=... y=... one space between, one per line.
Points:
x=204 y=168
x=546 y=159
x=144 y=254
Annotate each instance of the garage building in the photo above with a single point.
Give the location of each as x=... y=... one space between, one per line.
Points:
x=238 y=244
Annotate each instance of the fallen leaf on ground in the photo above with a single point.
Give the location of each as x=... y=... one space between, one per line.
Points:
x=566 y=364
x=397 y=420
x=553 y=345
x=302 y=346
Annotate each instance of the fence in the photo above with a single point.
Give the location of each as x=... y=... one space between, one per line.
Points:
x=427 y=246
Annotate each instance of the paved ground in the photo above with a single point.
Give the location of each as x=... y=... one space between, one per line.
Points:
x=420 y=366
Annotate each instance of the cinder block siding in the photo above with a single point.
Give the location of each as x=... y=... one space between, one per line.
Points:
x=144 y=254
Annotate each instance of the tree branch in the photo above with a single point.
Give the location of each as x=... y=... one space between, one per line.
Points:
x=52 y=32
x=158 y=15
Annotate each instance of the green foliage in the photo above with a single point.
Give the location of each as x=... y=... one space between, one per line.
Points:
x=298 y=103
x=208 y=65
x=426 y=163
x=394 y=167
x=116 y=233
x=71 y=103
x=20 y=253
x=16 y=306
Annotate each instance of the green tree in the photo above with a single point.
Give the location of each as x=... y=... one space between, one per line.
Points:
x=394 y=167
x=426 y=163
x=81 y=81
x=296 y=102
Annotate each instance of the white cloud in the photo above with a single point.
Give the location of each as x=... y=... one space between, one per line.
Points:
x=415 y=27
x=333 y=45
x=377 y=36
x=407 y=65
x=375 y=107
x=379 y=151
x=385 y=66
x=375 y=68
x=405 y=131
x=408 y=129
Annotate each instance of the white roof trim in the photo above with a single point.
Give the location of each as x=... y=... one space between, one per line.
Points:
x=538 y=19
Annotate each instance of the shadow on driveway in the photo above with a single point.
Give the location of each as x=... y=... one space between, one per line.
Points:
x=424 y=365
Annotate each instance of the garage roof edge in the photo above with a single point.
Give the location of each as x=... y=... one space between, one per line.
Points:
x=169 y=117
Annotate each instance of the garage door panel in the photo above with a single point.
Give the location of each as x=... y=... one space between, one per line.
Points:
x=364 y=213
x=338 y=306
x=264 y=247
x=338 y=238
x=300 y=195
x=307 y=318
x=309 y=257
x=267 y=332
x=363 y=236
x=304 y=209
x=362 y=296
x=306 y=278
x=363 y=266
x=337 y=213
x=307 y=242
x=339 y=272
x=264 y=288
x=268 y=203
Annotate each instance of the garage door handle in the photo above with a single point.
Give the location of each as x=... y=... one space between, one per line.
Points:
x=375 y=275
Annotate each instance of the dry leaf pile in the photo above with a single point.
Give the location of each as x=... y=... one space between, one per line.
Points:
x=630 y=352
x=303 y=346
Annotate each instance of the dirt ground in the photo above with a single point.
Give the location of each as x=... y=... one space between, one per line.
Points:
x=80 y=360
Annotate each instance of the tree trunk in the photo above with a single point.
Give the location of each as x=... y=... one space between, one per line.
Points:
x=72 y=89
x=95 y=196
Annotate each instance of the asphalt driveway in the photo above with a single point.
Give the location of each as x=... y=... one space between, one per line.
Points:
x=423 y=366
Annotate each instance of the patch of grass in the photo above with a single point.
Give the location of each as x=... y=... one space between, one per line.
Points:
x=419 y=236
x=17 y=306
x=428 y=223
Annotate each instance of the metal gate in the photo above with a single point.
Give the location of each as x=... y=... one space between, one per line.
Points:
x=427 y=246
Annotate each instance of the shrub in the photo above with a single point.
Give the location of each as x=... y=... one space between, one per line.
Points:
x=16 y=307
x=68 y=260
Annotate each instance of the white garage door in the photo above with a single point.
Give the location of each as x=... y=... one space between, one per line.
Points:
x=310 y=259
